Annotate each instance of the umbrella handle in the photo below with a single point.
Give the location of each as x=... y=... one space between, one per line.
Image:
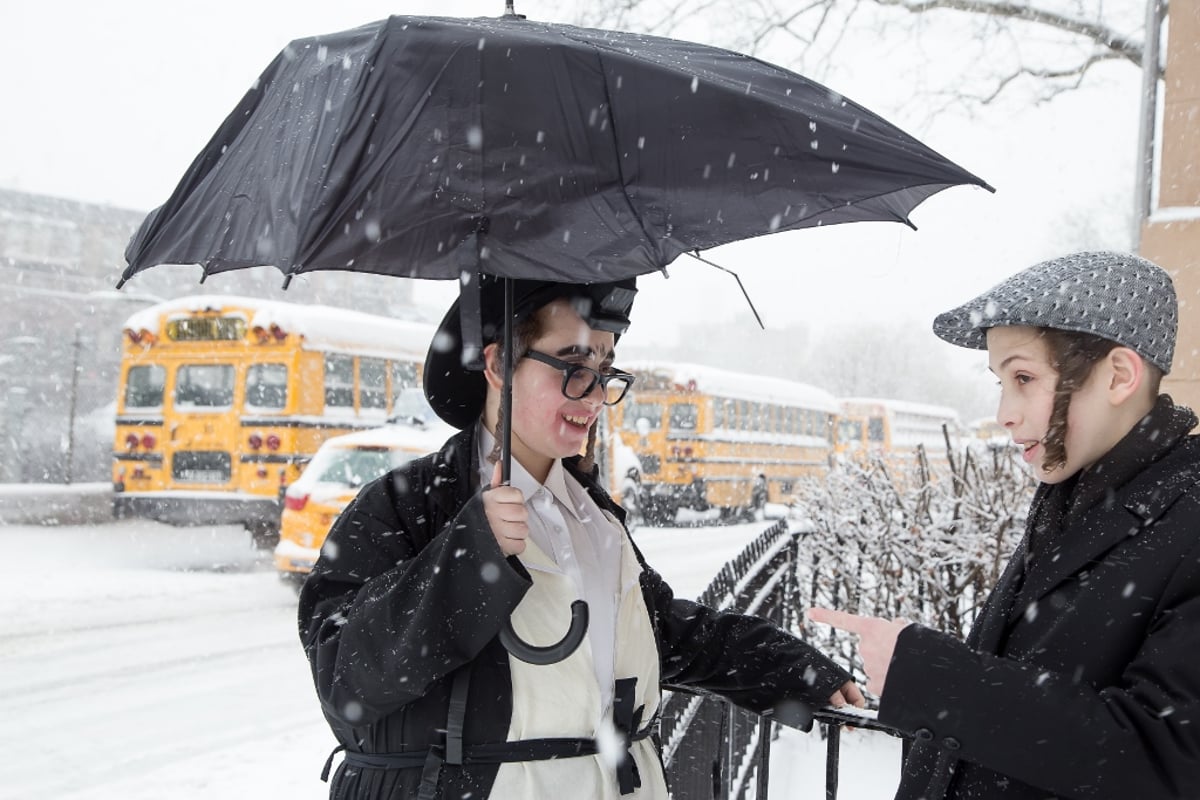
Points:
x=553 y=653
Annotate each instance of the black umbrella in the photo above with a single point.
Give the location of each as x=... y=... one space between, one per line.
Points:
x=447 y=148
x=424 y=147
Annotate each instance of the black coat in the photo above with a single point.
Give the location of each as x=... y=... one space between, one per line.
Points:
x=397 y=603
x=1080 y=678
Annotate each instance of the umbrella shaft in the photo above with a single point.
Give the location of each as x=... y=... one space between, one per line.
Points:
x=506 y=394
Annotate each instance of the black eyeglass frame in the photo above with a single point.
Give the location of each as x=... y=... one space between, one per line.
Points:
x=569 y=370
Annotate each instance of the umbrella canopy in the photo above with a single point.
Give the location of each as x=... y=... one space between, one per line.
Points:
x=430 y=147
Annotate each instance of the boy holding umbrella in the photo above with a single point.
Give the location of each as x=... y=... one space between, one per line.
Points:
x=402 y=615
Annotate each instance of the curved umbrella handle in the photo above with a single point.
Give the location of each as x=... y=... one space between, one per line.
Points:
x=552 y=653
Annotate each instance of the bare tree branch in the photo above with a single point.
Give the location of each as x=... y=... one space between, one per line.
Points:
x=1052 y=79
x=1091 y=33
x=1119 y=44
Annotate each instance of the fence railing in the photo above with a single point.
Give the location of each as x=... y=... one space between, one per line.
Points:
x=712 y=748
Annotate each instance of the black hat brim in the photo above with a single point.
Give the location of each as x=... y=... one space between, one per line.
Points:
x=457 y=392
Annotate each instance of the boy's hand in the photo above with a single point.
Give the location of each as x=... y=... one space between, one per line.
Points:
x=877 y=641
x=849 y=694
x=507 y=515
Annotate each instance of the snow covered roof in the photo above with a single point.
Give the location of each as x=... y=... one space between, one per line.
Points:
x=736 y=385
x=855 y=405
x=322 y=327
x=398 y=435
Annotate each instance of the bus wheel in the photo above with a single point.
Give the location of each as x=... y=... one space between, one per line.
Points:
x=732 y=513
x=293 y=580
x=264 y=534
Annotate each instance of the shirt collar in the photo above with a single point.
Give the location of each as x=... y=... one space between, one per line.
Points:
x=556 y=484
x=556 y=481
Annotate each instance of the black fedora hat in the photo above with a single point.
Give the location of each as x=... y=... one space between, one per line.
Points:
x=453 y=375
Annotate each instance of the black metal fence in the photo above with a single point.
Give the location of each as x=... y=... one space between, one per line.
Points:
x=713 y=749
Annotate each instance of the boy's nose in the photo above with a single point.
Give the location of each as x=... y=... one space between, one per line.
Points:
x=1006 y=414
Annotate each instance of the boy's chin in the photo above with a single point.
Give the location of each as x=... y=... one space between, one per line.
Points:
x=1055 y=475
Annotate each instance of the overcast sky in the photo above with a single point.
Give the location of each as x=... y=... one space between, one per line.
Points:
x=109 y=102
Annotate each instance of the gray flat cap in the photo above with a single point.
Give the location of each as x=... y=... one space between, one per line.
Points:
x=1117 y=296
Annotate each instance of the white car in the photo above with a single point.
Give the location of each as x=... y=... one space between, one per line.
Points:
x=339 y=469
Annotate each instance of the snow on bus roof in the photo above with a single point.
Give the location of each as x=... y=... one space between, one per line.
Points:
x=902 y=406
x=416 y=438
x=323 y=327
x=737 y=385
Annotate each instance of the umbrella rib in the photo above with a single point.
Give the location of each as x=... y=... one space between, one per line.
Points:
x=696 y=255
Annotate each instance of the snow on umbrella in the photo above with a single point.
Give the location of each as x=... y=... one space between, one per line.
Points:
x=447 y=148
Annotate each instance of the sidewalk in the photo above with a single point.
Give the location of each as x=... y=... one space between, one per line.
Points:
x=55 y=503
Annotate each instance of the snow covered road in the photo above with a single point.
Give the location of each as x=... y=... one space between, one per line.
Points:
x=143 y=661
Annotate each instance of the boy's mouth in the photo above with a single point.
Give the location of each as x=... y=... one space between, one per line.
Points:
x=582 y=422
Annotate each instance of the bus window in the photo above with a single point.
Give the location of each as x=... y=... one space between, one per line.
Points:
x=411 y=406
x=875 y=429
x=339 y=381
x=404 y=376
x=266 y=386
x=683 y=417
x=850 y=432
x=372 y=383
x=144 y=387
x=633 y=411
x=204 y=386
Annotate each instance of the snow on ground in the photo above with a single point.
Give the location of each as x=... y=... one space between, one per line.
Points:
x=140 y=661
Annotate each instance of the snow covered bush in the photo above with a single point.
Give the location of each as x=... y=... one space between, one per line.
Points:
x=910 y=539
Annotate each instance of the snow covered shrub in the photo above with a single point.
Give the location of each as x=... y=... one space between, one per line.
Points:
x=924 y=542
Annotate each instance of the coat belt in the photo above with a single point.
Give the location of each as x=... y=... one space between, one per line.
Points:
x=499 y=753
x=625 y=718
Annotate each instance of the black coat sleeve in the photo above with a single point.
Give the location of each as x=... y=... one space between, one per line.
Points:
x=395 y=603
x=747 y=660
x=1137 y=738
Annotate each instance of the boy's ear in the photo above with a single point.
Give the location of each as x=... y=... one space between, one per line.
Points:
x=492 y=366
x=1127 y=376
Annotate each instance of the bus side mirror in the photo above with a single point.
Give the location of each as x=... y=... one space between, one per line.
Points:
x=642 y=426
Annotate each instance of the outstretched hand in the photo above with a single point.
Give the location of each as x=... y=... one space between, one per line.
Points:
x=506 y=513
x=877 y=640
x=849 y=694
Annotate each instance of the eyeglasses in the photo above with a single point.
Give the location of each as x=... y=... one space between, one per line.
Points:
x=579 y=381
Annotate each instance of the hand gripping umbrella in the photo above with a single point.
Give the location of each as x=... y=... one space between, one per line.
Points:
x=449 y=148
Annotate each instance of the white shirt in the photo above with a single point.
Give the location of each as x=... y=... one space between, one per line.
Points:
x=567 y=525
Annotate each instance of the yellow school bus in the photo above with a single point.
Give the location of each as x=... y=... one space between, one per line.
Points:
x=223 y=399
x=894 y=429
x=714 y=439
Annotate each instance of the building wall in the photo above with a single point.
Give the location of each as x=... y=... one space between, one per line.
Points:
x=1171 y=237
